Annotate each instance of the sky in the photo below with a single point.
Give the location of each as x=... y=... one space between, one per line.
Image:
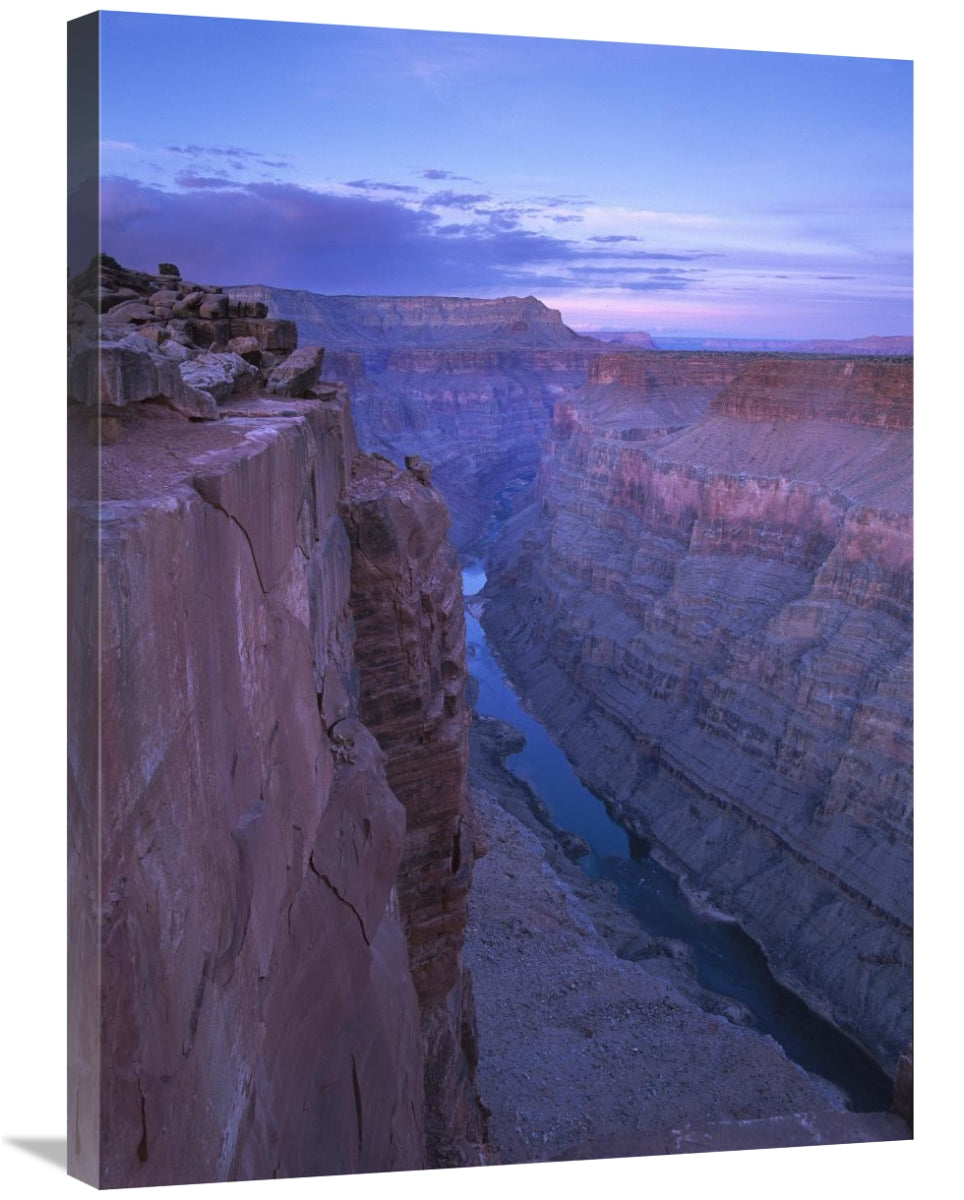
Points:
x=687 y=192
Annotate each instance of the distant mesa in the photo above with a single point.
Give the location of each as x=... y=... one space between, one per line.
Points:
x=368 y=323
x=639 y=339
x=895 y=346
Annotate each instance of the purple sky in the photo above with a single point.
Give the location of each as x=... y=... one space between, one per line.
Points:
x=682 y=191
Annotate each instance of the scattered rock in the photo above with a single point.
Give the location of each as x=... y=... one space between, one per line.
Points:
x=298 y=374
x=248 y=349
x=419 y=468
x=166 y=297
x=220 y=375
x=577 y=1046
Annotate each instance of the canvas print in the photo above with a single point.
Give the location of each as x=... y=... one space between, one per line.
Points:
x=490 y=600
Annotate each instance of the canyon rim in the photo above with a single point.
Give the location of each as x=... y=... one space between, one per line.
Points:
x=698 y=570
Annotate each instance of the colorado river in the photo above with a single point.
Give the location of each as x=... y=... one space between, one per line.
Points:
x=727 y=960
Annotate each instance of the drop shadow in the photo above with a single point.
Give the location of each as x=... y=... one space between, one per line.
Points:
x=51 y=1150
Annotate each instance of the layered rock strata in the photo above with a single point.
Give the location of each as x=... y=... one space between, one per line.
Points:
x=479 y=416
x=709 y=602
x=410 y=640
x=470 y=384
x=369 y=323
x=243 y=1002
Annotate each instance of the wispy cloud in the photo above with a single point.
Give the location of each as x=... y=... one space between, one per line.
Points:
x=437 y=173
x=448 y=199
x=187 y=179
x=298 y=237
x=384 y=237
x=373 y=185
x=239 y=157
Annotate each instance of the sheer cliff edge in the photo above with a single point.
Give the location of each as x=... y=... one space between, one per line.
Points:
x=267 y=896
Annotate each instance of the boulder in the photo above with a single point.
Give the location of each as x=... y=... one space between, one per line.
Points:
x=175 y=351
x=419 y=468
x=189 y=305
x=127 y=372
x=108 y=299
x=213 y=307
x=155 y=334
x=166 y=297
x=218 y=374
x=247 y=348
x=205 y=334
x=247 y=308
x=271 y=334
x=298 y=374
x=129 y=311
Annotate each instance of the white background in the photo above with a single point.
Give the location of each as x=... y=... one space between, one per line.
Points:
x=32 y=605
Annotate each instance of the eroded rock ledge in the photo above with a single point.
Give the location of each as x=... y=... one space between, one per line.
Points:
x=250 y=995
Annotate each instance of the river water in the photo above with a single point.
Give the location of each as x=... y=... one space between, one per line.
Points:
x=727 y=960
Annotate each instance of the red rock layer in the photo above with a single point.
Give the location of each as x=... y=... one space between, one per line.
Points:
x=410 y=638
x=715 y=616
x=237 y=855
x=860 y=391
x=665 y=368
x=242 y=1001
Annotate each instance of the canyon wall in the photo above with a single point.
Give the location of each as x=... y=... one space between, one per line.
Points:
x=392 y=322
x=406 y=599
x=709 y=602
x=249 y=994
x=468 y=384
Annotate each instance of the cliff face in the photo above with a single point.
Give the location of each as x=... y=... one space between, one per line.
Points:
x=410 y=638
x=248 y=990
x=714 y=614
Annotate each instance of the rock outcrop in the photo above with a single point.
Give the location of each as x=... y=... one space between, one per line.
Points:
x=253 y=992
x=134 y=337
x=709 y=602
x=410 y=639
x=638 y=338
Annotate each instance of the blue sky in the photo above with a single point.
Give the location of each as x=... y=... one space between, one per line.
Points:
x=683 y=191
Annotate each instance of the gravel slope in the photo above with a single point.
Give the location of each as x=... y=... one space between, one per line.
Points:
x=579 y=1048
